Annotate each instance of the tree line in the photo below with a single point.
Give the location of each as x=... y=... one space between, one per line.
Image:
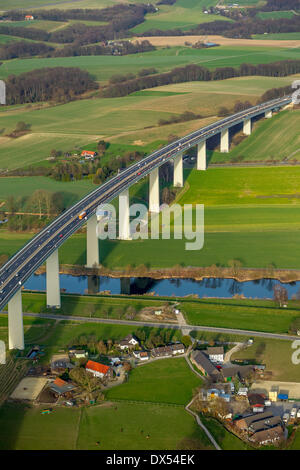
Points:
x=120 y=19
x=244 y=28
x=195 y=72
x=24 y=49
x=93 y=14
x=58 y=83
x=30 y=49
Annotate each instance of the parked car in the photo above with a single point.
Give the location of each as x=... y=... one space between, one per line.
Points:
x=286 y=417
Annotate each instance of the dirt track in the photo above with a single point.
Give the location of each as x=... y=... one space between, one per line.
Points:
x=180 y=40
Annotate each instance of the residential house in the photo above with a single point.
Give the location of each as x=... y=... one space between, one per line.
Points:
x=142 y=355
x=268 y=436
x=98 y=370
x=216 y=354
x=201 y=361
x=29 y=17
x=78 y=353
x=59 y=366
x=177 y=348
x=128 y=342
x=88 y=154
x=162 y=351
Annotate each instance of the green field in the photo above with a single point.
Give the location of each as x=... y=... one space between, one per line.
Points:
x=276 y=355
x=275 y=139
x=61 y=4
x=267 y=15
x=256 y=315
x=185 y=14
x=162 y=381
x=248 y=314
x=84 y=306
x=25 y=428
x=278 y=36
x=163 y=59
x=255 y=186
x=72 y=191
x=224 y=438
x=125 y=120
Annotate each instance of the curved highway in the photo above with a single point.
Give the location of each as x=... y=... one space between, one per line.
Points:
x=26 y=261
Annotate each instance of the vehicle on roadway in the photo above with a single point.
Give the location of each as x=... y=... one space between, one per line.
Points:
x=82 y=215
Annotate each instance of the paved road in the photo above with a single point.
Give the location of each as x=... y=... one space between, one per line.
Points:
x=27 y=260
x=212 y=329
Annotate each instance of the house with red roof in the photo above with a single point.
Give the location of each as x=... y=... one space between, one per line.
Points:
x=98 y=369
x=88 y=154
x=29 y=17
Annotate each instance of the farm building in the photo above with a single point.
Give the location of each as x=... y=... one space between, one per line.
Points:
x=62 y=388
x=98 y=370
x=201 y=361
x=29 y=17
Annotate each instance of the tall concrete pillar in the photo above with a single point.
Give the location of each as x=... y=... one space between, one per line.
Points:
x=52 y=281
x=201 y=155
x=268 y=114
x=224 y=147
x=124 y=229
x=247 y=126
x=15 y=322
x=92 y=243
x=154 y=191
x=178 y=171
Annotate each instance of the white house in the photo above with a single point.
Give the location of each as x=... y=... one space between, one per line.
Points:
x=177 y=348
x=141 y=355
x=129 y=342
x=216 y=354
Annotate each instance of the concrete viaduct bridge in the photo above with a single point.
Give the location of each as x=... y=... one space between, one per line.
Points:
x=44 y=246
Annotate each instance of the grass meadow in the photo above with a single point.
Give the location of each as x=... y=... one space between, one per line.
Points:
x=163 y=59
x=161 y=381
x=126 y=121
x=276 y=355
x=26 y=429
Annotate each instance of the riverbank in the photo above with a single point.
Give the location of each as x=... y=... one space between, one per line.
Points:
x=198 y=274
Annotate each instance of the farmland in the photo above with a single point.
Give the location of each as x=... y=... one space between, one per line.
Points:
x=167 y=426
x=276 y=355
x=248 y=314
x=163 y=59
x=162 y=381
x=185 y=14
x=123 y=120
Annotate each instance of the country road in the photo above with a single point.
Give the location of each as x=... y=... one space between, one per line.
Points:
x=234 y=331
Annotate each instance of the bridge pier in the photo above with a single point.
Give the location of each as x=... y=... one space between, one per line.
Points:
x=92 y=243
x=15 y=322
x=124 y=229
x=247 y=127
x=201 y=155
x=52 y=281
x=154 y=190
x=178 y=171
x=268 y=114
x=224 y=146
